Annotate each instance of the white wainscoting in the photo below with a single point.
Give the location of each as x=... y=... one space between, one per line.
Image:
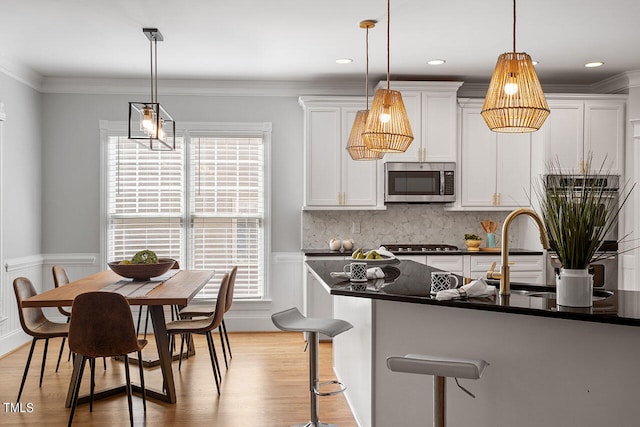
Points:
x=285 y=291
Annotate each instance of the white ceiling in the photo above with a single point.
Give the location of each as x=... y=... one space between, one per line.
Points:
x=300 y=40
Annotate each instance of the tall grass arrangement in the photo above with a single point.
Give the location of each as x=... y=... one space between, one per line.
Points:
x=577 y=222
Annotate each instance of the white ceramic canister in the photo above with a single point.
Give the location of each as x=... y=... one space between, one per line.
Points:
x=347 y=245
x=335 y=244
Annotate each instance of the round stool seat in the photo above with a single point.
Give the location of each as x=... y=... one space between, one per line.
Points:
x=292 y=320
x=437 y=366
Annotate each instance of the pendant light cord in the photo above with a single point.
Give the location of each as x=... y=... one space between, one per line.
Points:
x=514 y=26
x=388 y=33
x=366 y=74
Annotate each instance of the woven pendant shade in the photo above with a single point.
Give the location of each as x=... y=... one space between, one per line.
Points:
x=515 y=101
x=356 y=146
x=388 y=129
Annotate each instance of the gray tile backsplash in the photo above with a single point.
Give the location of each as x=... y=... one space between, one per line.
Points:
x=398 y=224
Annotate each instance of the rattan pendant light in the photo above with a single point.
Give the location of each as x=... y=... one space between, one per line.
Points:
x=356 y=146
x=387 y=128
x=515 y=101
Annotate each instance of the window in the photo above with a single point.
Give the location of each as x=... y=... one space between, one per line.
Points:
x=204 y=204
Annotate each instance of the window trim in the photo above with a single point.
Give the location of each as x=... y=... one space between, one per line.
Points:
x=221 y=129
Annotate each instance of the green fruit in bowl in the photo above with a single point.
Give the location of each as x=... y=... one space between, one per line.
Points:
x=145 y=257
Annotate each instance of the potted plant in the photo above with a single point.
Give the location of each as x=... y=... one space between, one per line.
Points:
x=472 y=241
x=577 y=219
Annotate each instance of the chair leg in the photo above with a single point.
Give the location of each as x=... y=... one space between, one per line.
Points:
x=181 y=350
x=224 y=327
x=44 y=359
x=129 y=401
x=224 y=351
x=26 y=368
x=140 y=307
x=76 y=390
x=215 y=355
x=104 y=363
x=146 y=324
x=144 y=393
x=64 y=339
x=213 y=360
x=92 y=366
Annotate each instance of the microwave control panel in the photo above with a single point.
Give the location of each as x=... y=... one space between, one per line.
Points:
x=449 y=182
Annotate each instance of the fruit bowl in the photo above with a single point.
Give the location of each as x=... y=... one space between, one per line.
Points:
x=142 y=271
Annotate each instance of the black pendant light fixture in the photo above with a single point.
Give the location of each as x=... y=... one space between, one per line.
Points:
x=149 y=123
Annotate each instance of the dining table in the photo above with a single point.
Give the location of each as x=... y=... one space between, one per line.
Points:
x=178 y=287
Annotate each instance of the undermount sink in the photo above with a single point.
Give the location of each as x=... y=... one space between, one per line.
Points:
x=548 y=292
x=598 y=294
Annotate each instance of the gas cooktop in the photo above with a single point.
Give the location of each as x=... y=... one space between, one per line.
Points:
x=425 y=247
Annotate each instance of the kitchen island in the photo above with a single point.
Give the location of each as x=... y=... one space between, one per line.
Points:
x=549 y=366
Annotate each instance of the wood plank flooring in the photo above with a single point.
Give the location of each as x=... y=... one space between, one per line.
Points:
x=265 y=385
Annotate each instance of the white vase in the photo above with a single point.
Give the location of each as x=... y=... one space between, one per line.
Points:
x=574 y=288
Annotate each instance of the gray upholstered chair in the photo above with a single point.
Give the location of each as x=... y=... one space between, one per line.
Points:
x=35 y=324
x=101 y=326
x=204 y=326
x=440 y=368
x=293 y=320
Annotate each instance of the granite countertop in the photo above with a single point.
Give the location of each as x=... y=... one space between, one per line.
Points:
x=512 y=251
x=409 y=282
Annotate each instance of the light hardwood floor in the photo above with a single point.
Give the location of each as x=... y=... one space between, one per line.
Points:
x=265 y=385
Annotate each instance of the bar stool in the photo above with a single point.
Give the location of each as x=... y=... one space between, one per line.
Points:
x=440 y=368
x=293 y=320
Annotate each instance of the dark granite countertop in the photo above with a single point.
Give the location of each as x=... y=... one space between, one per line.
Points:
x=409 y=282
x=512 y=251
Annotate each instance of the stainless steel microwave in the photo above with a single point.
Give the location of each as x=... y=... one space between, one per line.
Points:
x=419 y=182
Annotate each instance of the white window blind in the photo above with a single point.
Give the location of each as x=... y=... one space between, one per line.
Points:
x=214 y=219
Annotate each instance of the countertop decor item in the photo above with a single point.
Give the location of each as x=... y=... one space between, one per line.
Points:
x=490 y=228
x=388 y=128
x=577 y=223
x=149 y=123
x=514 y=101
x=335 y=244
x=355 y=145
x=142 y=271
x=472 y=241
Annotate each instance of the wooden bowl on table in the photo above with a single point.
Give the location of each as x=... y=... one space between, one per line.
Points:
x=142 y=271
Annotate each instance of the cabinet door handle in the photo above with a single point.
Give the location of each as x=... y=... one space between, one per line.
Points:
x=424 y=155
x=344 y=198
x=499 y=204
x=493 y=202
x=339 y=201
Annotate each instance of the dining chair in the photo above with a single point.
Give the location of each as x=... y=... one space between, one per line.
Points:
x=192 y=311
x=174 y=308
x=204 y=326
x=101 y=326
x=35 y=324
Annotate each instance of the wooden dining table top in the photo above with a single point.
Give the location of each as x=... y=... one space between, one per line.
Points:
x=179 y=289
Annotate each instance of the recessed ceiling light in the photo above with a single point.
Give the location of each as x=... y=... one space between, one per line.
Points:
x=436 y=62
x=594 y=64
x=344 y=61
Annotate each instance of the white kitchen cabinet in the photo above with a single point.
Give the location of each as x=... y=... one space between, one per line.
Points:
x=583 y=124
x=495 y=168
x=524 y=268
x=451 y=263
x=332 y=179
x=432 y=111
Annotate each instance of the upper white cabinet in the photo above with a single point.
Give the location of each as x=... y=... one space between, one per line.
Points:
x=579 y=124
x=432 y=111
x=495 y=168
x=332 y=179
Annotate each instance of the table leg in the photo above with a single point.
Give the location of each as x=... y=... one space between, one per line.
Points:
x=162 y=344
x=74 y=375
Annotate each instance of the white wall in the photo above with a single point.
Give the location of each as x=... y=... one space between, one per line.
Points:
x=20 y=232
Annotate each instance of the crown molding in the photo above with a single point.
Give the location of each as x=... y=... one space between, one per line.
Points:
x=200 y=87
x=21 y=73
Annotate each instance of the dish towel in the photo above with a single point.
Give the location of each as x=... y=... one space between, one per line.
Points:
x=372 y=273
x=384 y=252
x=477 y=288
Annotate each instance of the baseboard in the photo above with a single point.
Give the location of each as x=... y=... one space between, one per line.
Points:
x=12 y=341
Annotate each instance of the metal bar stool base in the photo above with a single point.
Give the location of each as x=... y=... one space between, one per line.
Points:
x=318 y=424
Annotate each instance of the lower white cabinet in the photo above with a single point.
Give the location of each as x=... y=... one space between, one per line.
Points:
x=451 y=263
x=524 y=268
x=316 y=302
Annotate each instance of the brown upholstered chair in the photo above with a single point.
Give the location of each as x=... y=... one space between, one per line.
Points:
x=174 y=308
x=204 y=326
x=35 y=324
x=192 y=311
x=102 y=326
